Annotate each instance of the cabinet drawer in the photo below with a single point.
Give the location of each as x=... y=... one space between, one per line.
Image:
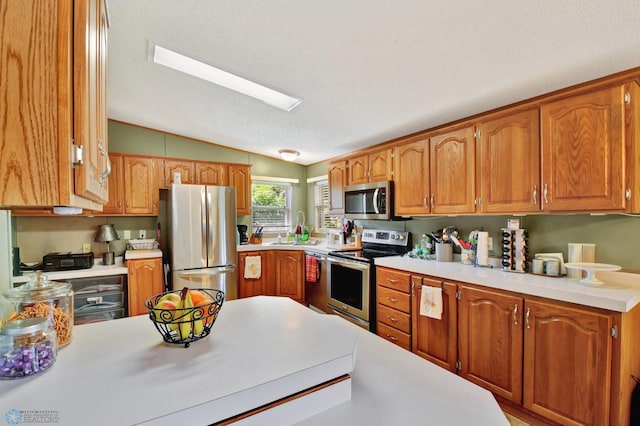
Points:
x=91 y=301
x=394 y=318
x=394 y=336
x=97 y=284
x=98 y=315
x=393 y=279
x=395 y=299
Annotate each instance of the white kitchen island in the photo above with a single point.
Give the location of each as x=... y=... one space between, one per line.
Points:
x=261 y=349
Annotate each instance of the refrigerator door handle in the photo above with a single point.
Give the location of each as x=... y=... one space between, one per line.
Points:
x=209 y=271
x=203 y=223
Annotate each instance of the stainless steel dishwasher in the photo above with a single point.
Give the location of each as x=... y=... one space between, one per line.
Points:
x=316 y=292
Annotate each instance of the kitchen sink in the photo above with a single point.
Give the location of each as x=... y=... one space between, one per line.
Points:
x=311 y=242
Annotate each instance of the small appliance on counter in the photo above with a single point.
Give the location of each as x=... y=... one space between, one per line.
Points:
x=67 y=261
x=244 y=238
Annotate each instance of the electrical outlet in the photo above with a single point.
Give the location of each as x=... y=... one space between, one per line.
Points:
x=127 y=235
x=86 y=248
x=142 y=234
x=490 y=243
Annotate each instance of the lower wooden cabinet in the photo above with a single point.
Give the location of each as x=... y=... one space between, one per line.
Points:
x=145 y=280
x=435 y=339
x=282 y=274
x=393 y=306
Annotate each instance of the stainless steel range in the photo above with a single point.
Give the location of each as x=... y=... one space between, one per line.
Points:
x=351 y=284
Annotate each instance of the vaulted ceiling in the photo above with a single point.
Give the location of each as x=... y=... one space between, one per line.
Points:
x=366 y=71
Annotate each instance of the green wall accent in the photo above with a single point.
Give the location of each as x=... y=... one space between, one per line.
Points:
x=135 y=140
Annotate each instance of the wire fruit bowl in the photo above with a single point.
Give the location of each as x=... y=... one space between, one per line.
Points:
x=181 y=326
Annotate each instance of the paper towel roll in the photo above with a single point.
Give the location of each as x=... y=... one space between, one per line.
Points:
x=482 y=254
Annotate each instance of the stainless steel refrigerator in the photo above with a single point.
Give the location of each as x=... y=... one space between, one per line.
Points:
x=202 y=238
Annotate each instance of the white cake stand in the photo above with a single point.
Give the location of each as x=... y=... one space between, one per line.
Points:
x=591 y=269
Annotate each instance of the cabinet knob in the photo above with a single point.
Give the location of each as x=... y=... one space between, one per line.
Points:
x=392 y=319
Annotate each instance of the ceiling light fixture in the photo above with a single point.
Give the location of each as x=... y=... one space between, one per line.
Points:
x=190 y=66
x=288 y=154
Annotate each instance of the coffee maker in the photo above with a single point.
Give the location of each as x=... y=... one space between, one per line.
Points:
x=242 y=230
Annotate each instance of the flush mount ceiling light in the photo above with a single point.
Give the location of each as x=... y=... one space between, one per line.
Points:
x=190 y=66
x=288 y=154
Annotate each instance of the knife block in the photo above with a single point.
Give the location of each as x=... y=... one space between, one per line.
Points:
x=255 y=240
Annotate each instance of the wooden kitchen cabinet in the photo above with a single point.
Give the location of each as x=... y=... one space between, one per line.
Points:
x=452 y=171
x=290 y=274
x=115 y=204
x=376 y=166
x=583 y=151
x=141 y=193
x=411 y=177
x=145 y=280
x=186 y=168
x=509 y=162
x=567 y=363
x=337 y=181
x=393 y=306
x=265 y=285
x=490 y=340
x=207 y=173
x=240 y=178
x=434 y=339
x=53 y=103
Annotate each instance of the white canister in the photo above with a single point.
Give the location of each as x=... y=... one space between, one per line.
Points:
x=537 y=266
x=552 y=267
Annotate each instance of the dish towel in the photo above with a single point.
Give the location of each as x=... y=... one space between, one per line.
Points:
x=312 y=269
x=431 y=302
x=252 y=267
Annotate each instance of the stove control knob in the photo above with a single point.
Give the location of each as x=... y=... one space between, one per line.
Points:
x=400 y=237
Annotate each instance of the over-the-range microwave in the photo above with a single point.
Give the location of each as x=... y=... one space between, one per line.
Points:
x=369 y=200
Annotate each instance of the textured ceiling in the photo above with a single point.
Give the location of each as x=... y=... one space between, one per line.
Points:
x=366 y=71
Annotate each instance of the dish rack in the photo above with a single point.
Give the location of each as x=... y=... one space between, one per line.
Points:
x=142 y=244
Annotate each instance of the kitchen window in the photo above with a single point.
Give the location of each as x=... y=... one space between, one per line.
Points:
x=321 y=218
x=271 y=205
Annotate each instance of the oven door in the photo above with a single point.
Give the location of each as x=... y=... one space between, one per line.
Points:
x=348 y=289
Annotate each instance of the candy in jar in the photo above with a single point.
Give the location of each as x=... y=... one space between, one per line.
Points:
x=27 y=347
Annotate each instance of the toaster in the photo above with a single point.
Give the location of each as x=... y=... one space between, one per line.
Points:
x=67 y=261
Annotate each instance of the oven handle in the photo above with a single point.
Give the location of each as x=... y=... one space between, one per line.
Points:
x=353 y=264
x=349 y=315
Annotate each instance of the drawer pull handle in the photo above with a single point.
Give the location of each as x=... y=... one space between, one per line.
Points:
x=392 y=319
x=391 y=280
x=392 y=299
x=393 y=338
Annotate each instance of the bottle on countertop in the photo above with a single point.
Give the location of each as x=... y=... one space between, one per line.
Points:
x=425 y=244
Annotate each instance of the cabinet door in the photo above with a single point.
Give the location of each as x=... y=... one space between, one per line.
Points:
x=509 y=163
x=452 y=171
x=115 y=205
x=141 y=195
x=358 y=170
x=248 y=287
x=411 y=177
x=211 y=174
x=337 y=181
x=567 y=364
x=490 y=341
x=381 y=166
x=435 y=339
x=90 y=101
x=289 y=274
x=582 y=152
x=144 y=281
x=185 y=168
x=240 y=178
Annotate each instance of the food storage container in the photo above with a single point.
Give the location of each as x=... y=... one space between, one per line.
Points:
x=42 y=298
x=27 y=346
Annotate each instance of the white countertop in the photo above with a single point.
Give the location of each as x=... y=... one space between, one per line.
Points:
x=320 y=246
x=142 y=254
x=620 y=293
x=98 y=270
x=120 y=372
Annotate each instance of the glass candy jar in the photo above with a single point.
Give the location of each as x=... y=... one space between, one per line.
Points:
x=27 y=347
x=42 y=298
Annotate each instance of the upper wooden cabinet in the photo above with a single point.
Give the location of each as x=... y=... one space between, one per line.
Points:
x=240 y=178
x=373 y=167
x=337 y=181
x=186 y=168
x=509 y=163
x=211 y=173
x=53 y=92
x=583 y=151
x=411 y=177
x=115 y=204
x=141 y=195
x=452 y=171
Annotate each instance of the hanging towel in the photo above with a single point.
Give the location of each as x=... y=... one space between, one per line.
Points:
x=312 y=269
x=431 y=302
x=252 y=267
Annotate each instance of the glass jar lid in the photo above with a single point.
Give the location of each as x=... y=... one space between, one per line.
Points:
x=38 y=289
x=24 y=326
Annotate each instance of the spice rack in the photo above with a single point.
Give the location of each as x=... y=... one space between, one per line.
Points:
x=515 y=250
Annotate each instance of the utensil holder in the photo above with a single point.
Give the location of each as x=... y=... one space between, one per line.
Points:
x=467 y=256
x=444 y=252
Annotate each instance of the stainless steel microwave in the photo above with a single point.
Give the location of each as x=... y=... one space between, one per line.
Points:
x=369 y=200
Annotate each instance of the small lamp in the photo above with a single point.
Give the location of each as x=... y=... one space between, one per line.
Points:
x=106 y=234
